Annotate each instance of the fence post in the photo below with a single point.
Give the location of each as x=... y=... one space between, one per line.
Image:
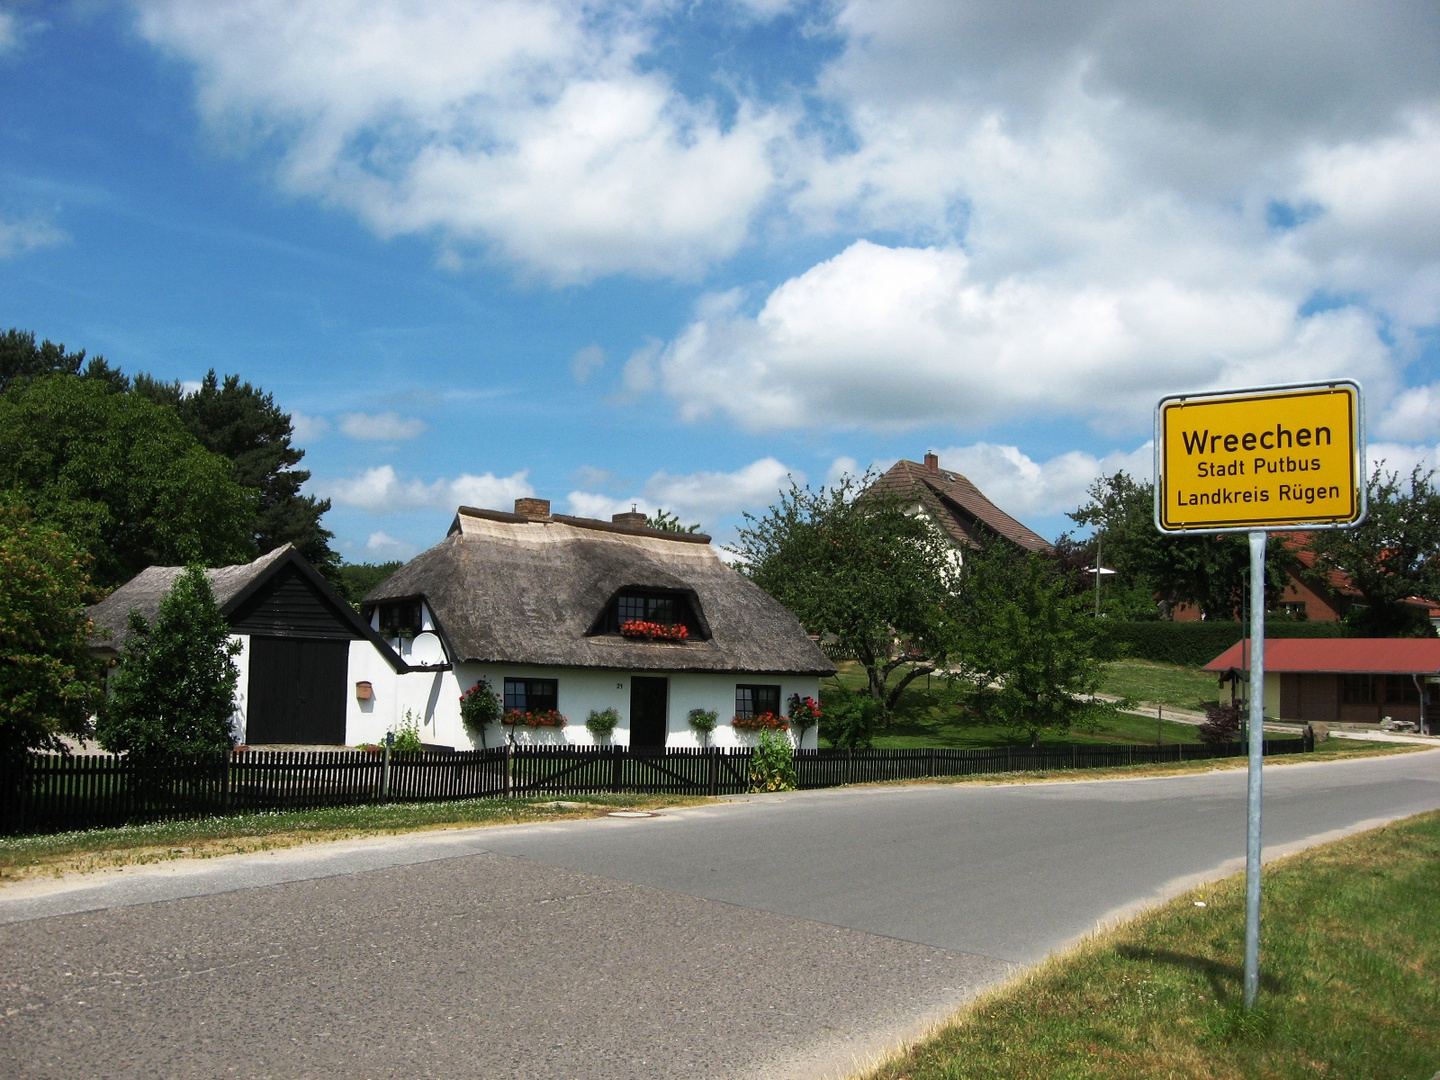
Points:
x=225 y=779
x=1007 y=759
x=1074 y=756
x=714 y=771
x=385 y=773
x=615 y=770
x=509 y=769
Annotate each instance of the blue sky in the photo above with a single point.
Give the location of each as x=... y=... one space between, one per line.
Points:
x=670 y=253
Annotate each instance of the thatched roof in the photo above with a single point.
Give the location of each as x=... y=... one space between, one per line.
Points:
x=957 y=505
x=507 y=588
x=232 y=587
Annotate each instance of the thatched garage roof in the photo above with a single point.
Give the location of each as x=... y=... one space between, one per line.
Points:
x=510 y=588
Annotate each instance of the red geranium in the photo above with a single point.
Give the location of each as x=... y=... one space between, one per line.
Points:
x=536 y=718
x=653 y=631
x=765 y=721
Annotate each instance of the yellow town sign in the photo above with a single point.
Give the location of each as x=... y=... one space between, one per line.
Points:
x=1280 y=458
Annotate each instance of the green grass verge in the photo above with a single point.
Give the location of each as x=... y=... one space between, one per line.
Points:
x=94 y=849
x=1167 y=684
x=929 y=713
x=1350 y=965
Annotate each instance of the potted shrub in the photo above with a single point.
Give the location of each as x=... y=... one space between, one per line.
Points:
x=602 y=723
x=703 y=721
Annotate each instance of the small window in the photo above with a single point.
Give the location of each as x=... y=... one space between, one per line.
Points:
x=1401 y=689
x=1360 y=690
x=401 y=617
x=532 y=695
x=754 y=700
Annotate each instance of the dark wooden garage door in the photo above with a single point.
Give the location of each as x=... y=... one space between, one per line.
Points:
x=297 y=690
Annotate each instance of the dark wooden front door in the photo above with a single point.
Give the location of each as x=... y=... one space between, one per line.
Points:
x=297 y=690
x=649 y=712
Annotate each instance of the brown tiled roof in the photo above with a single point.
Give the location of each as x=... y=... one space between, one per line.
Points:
x=961 y=509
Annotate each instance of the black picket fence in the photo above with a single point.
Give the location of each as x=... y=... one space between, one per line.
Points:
x=52 y=793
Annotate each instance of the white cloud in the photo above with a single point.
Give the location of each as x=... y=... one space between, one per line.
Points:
x=1402 y=457
x=528 y=127
x=1413 y=415
x=639 y=375
x=903 y=337
x=309 y=429
x=586 y=362
x=381 y=491
x=385 y=547
x=1025 y=488
x=707 y=496
x=18 y=237
x=9 y=32
x=382 y=427
x=840 y=468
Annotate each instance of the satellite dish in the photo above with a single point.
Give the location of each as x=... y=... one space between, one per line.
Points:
x=425 y=648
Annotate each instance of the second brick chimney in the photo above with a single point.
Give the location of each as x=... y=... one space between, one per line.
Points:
x=535 y=509
x=932 y=461
x=634 y=519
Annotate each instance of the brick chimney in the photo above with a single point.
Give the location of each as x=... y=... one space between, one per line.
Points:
x=535 y=509
x=932 y=461
x=634 y=519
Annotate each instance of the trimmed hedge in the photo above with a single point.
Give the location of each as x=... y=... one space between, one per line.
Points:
x=1195 y=644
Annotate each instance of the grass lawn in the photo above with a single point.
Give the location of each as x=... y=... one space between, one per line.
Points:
x=96 y=849
x=1167 y=684
x=1350 y=973
x=929 y=714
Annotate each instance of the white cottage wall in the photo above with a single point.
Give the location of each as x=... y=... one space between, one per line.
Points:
x=582 y=689
x=240 y=715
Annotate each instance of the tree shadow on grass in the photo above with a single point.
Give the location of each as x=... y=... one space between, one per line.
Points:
x=1226 y=980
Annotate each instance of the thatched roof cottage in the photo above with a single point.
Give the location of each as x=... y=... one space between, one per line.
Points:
x=573 y=614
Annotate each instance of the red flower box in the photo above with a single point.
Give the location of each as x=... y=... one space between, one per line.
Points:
x=538 y=718
x=654 y=631
x=765 y=721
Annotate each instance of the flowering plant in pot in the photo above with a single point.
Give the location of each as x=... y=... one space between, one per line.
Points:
x=765 y=721
x=480 y=707
x=804 y=714
x=654 y=631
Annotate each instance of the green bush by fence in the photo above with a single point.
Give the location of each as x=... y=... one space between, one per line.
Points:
x=1195 y=644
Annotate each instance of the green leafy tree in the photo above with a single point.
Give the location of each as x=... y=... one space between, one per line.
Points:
x=1030 y=651
x=1393 y=555
x=122 y=476
x=174 y=689
x=242 y=422
x=664 y=520
x=48 y=679
x=1210 y=571
x=357 y=579
x=853 y=564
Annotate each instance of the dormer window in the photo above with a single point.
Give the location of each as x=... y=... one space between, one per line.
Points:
x=655 y=607
x=399 y=617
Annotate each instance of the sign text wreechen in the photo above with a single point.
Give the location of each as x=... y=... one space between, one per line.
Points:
x=1267 y=459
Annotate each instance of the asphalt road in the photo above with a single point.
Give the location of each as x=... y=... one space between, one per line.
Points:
x=779 y=936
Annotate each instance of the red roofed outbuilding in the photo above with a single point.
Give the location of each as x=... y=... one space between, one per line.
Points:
x=1343 y=680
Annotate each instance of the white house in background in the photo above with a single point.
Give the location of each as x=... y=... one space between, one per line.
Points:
x=301 y=644
x=535 y=602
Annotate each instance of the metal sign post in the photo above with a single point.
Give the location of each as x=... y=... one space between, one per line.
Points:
x=1256 y=461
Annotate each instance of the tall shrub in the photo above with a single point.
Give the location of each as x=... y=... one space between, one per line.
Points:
x=174 y=691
